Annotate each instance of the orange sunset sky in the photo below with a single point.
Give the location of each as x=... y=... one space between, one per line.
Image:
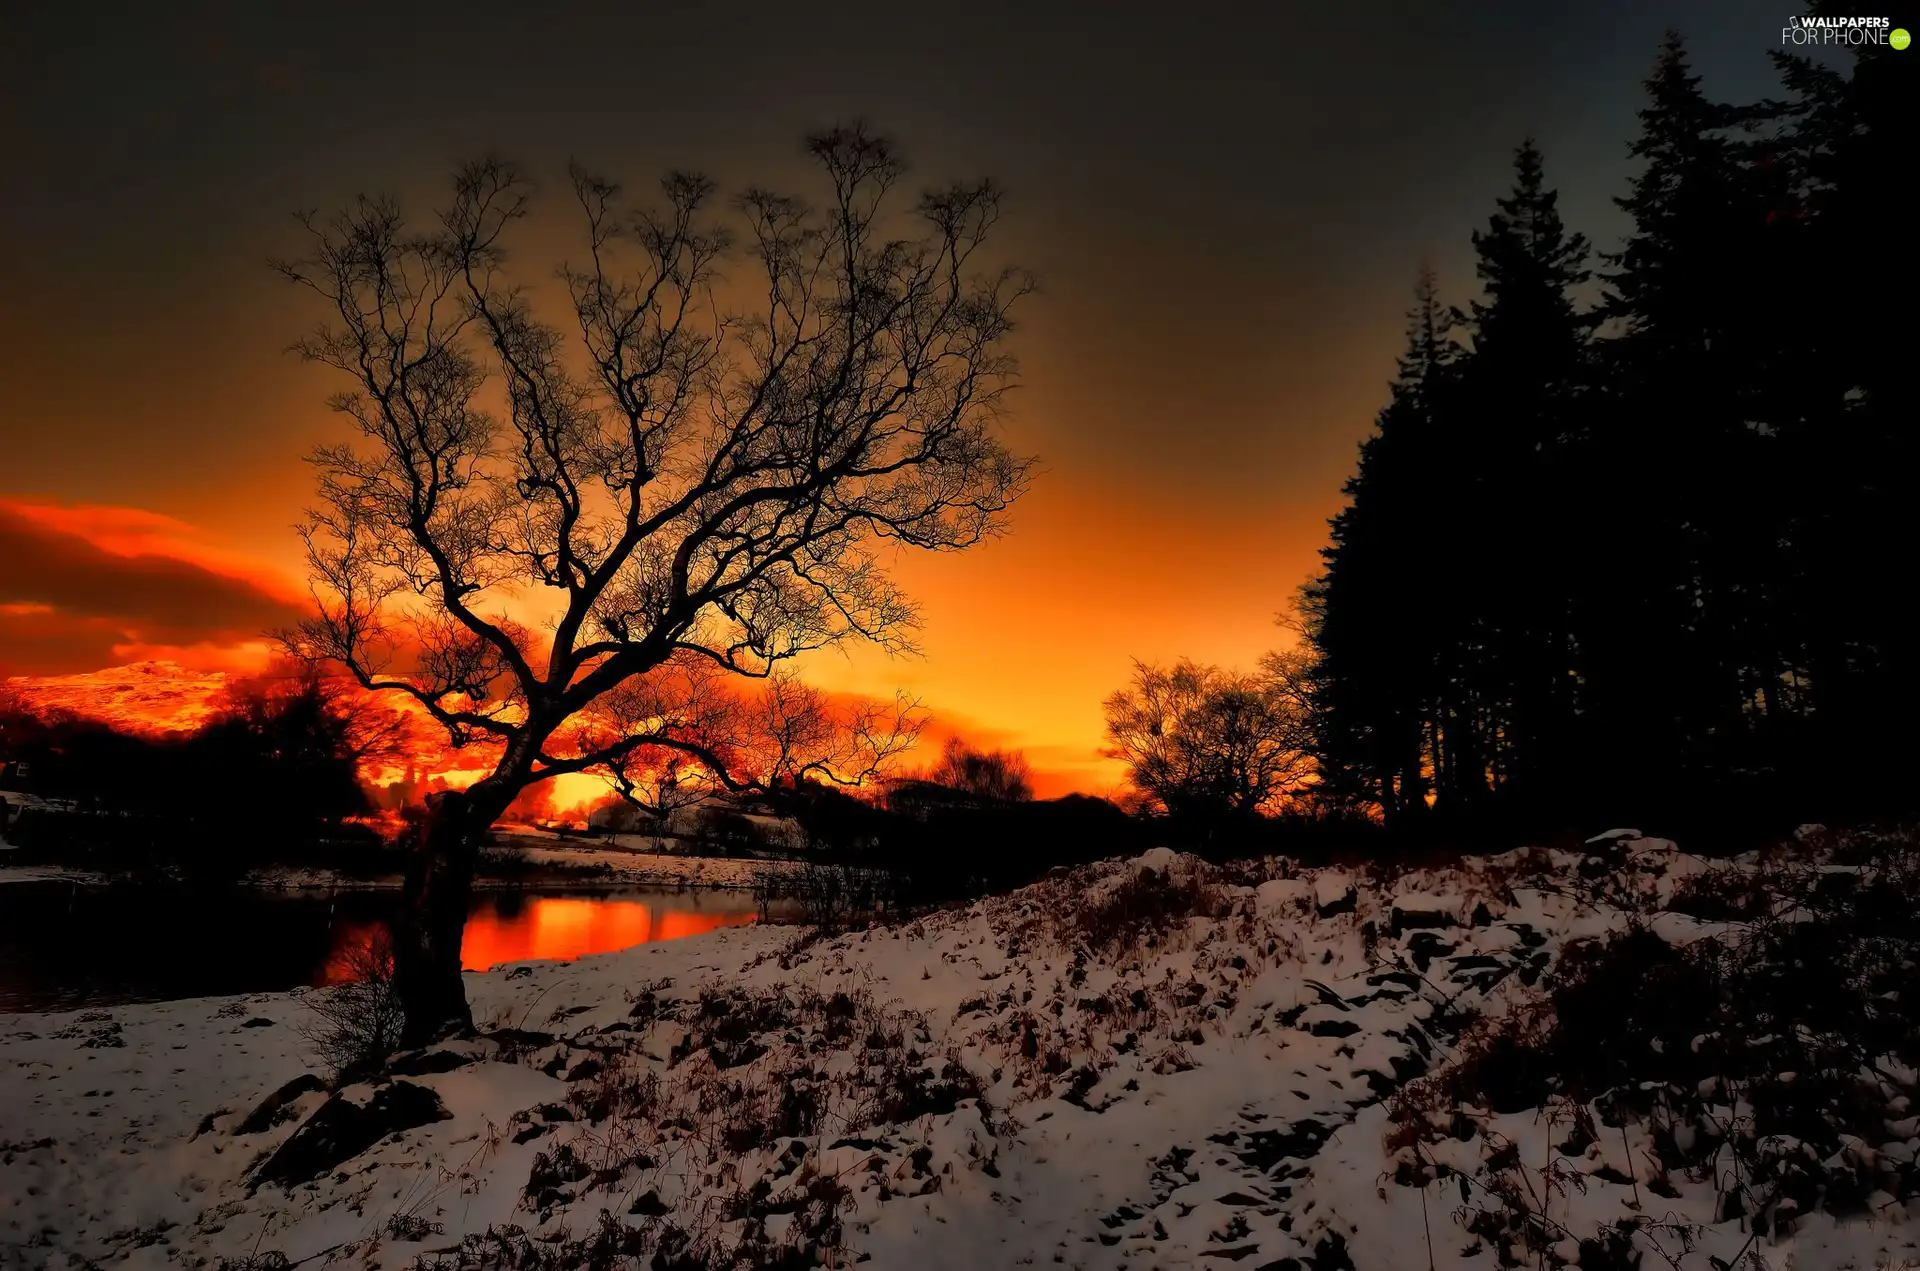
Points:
x=1226 y=228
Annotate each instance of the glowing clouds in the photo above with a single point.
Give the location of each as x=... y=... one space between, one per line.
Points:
x=82 y=588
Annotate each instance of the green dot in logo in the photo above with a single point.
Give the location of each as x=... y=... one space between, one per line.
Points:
x=1899 y=38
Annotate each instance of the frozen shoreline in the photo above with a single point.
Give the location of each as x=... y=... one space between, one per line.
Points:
x=988 y=1087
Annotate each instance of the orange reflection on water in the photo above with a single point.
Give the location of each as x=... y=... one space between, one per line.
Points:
x=523 y=928
x=564 y=927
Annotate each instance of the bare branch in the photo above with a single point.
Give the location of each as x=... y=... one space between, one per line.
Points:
x=675 y=484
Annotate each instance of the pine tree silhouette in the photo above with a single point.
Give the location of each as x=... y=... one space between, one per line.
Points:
x=1649 y=560
x=1381 y=678
x=1524 y=400
x=1676 y=616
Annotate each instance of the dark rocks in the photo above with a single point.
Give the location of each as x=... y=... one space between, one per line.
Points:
x=735 y=1054
x=1344 y=903
x=341 y=1129
x=1479 y=971
x=277 y=1107
x=1267 y=1148
x=1408 y=917
x=1327 y=995
x=1529 y=938
x=1425 y=947
x=1406 y=979
x=649 y=1205
x=587 y=1069
x=421 y=1063
x=1240 y=1200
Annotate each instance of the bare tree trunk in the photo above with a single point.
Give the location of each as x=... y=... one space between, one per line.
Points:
x=426 y=946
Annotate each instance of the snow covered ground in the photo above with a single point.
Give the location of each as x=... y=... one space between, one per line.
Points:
x=1143 y=1063
x=44 y=874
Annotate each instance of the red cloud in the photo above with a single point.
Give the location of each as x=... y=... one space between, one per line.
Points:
x=86 y=587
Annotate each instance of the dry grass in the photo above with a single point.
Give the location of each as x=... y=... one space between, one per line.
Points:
x=1140 y=909
x=355 y=1027
x=698 y=1155
x=1761 y=1061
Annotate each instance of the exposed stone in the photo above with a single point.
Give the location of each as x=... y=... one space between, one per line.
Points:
x=341 y=1129
x=421 y=1063
x=278 y=1106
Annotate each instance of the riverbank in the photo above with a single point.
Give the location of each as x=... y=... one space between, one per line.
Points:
x=1139 y=1063
x=568 y=866
x=68 y=947
x=47 y=874
x=516 y=861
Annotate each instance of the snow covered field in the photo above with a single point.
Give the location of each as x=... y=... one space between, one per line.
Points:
x=1145 y=1063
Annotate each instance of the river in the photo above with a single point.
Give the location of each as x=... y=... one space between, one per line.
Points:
x=65 y=946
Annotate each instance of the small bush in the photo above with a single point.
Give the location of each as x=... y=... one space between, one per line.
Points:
x=830 y=897
x=1144 y=906
x=412 y=1228
x=724 y=832
x=355 y=1026
x=271 y=1260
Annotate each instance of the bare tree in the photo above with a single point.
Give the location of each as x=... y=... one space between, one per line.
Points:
x=1199 y=741
x=1000 y=775
x=766 y=743
x=672 y=482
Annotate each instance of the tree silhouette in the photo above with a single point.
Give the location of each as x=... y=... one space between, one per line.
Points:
x=1208 y=746
x=677 y=483
x=1442 y=624
x=1653 y=537
x=1524 y=389
x=1680 y=611
x=999 y=775
x=1388 y=717
x=1846 y=406
x=768 y=743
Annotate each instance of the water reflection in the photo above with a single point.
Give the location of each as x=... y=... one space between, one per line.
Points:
x=63 y=946
x=512 y=929
x=515 y=927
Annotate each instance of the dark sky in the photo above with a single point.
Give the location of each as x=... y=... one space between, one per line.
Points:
x=1226 y=205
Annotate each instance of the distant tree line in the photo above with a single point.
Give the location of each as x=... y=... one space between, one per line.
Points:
x=1634 y=533
x=1213 y=750
x=273 y=772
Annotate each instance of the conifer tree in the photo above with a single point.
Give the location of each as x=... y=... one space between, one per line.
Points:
x=1523 y=403
x=1843 y=399
x=1379 y=674
x=1667 y=564
x=1672 y=603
